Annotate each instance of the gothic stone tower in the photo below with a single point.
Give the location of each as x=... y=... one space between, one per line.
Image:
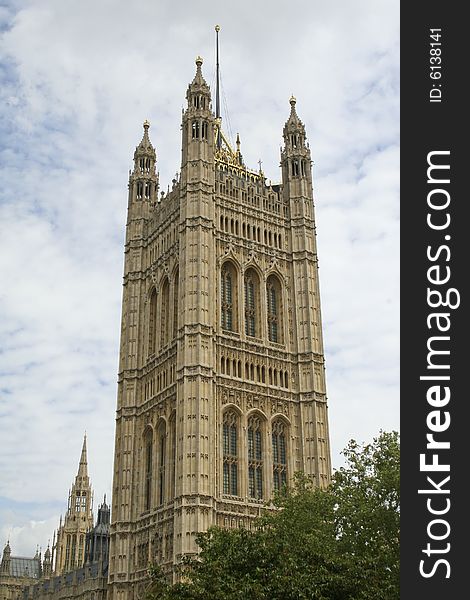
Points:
x=69 y=546
x=221 y=394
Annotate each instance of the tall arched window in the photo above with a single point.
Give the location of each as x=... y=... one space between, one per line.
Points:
x=175 y=303
x=255 y=457
x=251 y=303
x=164 y=312
x=228 y=298
x=148 y=447
x=161 y=440
x=273 y=296
x=152 y=322
x=227 y=307
x=230 y=453
x=173 y=456
x=279 y=454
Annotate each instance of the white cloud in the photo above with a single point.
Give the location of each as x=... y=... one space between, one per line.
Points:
x=76 y=81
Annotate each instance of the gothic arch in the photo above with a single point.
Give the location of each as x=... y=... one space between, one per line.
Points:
x=257 y=411
x=282 y=417
x=274 y=270
x=234 y=407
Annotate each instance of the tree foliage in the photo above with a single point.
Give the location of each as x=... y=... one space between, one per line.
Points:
x=338 y=544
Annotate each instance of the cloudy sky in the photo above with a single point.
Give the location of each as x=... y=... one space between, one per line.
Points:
x=77 y=79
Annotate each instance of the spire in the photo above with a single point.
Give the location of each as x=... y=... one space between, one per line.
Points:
x=294 y=131
x=143 y=181
x=293 y=122
x=145 y=148
x=198 y=94
x=239 y=154
x=83 y=466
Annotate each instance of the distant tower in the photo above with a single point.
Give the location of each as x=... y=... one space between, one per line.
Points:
x=6 y=560
x=70 y=541
x=97 y=539
x=47 y=564
x=221 y=393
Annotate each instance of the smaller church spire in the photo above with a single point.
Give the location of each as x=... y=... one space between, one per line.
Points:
x=294 y=130
x=293 y=122
x=144 y=150
x=198 y=94
x=83 y=465
x=145 y=145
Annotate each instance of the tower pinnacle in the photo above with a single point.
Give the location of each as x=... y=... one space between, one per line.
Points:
x=83 y=465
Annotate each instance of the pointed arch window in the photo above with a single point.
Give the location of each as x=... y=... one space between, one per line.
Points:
x=228 y=300
x=161 y=437
x=255 y=457
x=251 y=303
x=67 y=552
x=175 y=303
x=279 y=454
x=148 y=450
x=152 y=322
x=173 y=456
x=195 y=130
x=165 y=312
x=230 y=453
x=74 y=548
x=274 y=315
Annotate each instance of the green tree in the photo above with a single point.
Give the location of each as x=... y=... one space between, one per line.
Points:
x=338 y=544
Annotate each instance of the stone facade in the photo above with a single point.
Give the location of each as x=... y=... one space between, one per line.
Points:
x=221 y=393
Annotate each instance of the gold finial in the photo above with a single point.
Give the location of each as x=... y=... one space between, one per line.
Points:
x=146 y=124
x=198 y=61
x=292 y=100
x=217 y=28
